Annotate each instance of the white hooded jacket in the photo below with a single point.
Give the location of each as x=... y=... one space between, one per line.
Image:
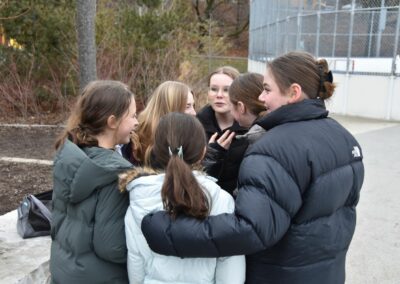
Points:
x=145 y=266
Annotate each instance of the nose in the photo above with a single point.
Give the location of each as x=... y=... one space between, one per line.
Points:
x=192 y=111
x=261 y=96
x=220 y=93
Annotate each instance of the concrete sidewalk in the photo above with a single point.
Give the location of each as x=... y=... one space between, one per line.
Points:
x=374 y=254
x=23 y=261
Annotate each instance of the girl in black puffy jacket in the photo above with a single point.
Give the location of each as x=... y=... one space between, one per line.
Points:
x=299 y=184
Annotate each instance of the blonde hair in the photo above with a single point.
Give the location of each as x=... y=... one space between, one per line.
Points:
x=170 y=96
x=227 y=70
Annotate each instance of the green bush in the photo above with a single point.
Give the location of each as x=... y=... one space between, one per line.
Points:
x=141 y=43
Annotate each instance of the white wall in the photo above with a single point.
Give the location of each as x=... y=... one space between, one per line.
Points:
x=369 y=96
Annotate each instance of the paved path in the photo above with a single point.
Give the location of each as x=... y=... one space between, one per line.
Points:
x=374 y=254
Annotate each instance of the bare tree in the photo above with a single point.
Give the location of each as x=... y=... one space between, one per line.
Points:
x=85 y=25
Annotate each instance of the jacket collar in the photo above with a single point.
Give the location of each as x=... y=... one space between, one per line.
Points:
x=207 y=117
x=305 y=110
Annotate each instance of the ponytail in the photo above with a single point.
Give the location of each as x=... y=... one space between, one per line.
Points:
x=179 y=146
x=181 y=193
x=313 y=75
x=326 y=85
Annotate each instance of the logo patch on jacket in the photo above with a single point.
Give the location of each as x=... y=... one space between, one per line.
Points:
x=356 y=152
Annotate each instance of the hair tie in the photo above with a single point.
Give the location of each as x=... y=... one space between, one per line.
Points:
x=322 y=78
x=178 y=152
x=329 y=77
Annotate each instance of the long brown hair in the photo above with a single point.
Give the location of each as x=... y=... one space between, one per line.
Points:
x=179 y=146
x=313 y=75
x=247 y=88
x=98 y=101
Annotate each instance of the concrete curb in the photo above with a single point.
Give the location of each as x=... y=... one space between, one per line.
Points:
x=30 y=125
x=27 y=161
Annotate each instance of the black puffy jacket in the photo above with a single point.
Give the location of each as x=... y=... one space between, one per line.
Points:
x=220 y=163
x=295 y=211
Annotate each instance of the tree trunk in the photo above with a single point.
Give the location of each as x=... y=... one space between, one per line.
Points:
x=85 y=26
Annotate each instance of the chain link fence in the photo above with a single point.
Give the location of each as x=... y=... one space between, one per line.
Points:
x=356 y=36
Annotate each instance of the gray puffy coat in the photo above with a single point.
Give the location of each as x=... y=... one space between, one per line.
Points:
x=88 y=216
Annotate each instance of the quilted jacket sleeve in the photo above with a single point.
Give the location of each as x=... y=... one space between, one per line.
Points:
x=214 y=158
x=267 y=200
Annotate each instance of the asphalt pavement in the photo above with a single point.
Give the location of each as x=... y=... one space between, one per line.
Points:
x=374 y=254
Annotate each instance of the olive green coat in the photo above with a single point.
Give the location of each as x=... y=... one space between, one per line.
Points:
x=88 y=216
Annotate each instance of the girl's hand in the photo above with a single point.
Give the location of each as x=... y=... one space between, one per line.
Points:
x=225 y=140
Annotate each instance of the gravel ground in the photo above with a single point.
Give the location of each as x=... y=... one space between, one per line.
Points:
x=20 y=179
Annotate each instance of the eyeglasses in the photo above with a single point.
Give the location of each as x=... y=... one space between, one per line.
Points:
x=216 y=90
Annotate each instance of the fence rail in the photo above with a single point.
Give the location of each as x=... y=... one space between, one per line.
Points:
x=357 y=33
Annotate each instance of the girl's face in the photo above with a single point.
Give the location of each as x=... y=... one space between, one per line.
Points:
x=218 y=95
x=127 y=125
x=190 y=104
x=272 y=97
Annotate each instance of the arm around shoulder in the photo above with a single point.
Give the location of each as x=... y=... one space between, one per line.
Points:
x=266 y=201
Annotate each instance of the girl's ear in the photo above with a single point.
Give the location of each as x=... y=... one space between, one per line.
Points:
x=296 y=93
x=241 y=107
x=112 y=122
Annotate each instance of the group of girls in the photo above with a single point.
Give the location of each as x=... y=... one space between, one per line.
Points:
x=266 y=141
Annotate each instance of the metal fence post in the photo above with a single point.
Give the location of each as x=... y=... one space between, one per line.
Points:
x=371 y=33
x=318 y=29
x=299 y=22
x=353 y=6
x=396 y=43
x=277 y=37
x=381 y=27
x=334 y=29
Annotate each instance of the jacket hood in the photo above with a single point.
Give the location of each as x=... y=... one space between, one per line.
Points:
x=305 y=110
x=147 y=182
x=135 y=173
x=84 y=170
x=255 y=132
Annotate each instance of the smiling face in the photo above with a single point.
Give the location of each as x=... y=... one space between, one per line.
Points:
x=190 y=104
x=271 y=96
x=218 y=95
x=127 y=125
